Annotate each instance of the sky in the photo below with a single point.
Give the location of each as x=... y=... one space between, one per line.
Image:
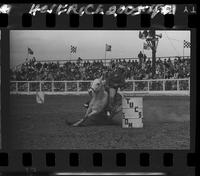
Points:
x=55 y=44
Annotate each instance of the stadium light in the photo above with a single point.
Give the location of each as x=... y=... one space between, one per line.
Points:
x=152 y=40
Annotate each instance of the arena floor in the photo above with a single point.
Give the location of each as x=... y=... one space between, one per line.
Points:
x=43 y=126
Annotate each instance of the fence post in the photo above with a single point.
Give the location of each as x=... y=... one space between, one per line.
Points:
x=28 y=87
x=178 y=84
x=163 y=85
x=148 y=85
x=133 y=85
x=52 y=86
x=65 y=86
x=40 y=86
x=77 y=84
x=16 y=86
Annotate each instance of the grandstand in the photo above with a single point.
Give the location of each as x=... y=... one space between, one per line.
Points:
x=74 y=76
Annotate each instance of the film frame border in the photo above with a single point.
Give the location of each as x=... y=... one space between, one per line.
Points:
x=189 y=158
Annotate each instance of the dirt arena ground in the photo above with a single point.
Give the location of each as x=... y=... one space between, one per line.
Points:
x=43 y=126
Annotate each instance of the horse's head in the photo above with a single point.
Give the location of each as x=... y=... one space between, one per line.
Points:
x=97 y=85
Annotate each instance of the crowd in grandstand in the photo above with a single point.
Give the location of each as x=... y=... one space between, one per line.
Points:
x=136 y=69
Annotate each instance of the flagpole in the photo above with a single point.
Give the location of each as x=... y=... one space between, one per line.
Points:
x=27 y=54
x=70 y=57
x=183 y=49
x=105 y=56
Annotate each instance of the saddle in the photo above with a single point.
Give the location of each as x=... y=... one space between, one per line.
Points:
x=117 y=101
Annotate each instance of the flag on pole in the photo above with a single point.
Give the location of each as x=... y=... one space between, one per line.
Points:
x=73 y=49
x=143 y=35
x=108 y=47
x=30 y=51
x=146 y=46
x=186 y=44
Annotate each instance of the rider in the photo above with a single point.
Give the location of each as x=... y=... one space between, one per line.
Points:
x=115 y=78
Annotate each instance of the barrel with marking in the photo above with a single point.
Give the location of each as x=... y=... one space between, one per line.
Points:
x=132 y=108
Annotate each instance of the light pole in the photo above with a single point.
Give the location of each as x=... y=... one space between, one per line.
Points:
x=151 y=39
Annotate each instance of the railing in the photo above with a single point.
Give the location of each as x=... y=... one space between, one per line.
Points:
x=105 y=61
x=114 y=59
x=150 y=87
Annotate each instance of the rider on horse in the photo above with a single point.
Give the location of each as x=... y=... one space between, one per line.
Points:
x=114 y=79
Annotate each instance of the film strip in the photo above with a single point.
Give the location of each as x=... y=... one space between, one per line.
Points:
x=41 y=129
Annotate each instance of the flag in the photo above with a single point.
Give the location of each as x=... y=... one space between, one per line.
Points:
x=30 y=51
x=146 y=46
x=108 y=47
x=141 y=36
x=79 y=59
x=186 y=44
x=73 y=49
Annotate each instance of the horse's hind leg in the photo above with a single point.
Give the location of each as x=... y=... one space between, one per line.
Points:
x=92 y=114
x=78 y=123
x=88 y=115
x=83 y=119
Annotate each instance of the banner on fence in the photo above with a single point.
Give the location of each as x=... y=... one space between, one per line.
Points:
x=40 y=97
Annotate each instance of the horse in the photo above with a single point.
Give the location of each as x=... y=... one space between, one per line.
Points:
x=98 y=101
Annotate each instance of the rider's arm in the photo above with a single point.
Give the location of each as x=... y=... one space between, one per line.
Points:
x=105 y=77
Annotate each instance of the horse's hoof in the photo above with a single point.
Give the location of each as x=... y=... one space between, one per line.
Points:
x=108 y=114
x=67 y=122
x=86 y=105
x=75 y=125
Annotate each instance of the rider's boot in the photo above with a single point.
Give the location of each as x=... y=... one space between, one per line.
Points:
x=109 y=109
x=86 y=105
x=108 y=113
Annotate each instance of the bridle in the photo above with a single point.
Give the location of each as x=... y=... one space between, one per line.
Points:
x=91 y=89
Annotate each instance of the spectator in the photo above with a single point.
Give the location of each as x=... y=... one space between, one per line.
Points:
x=140 y=57
x=144 y=58
x=35 y=70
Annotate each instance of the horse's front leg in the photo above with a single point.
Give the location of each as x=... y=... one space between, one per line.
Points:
x=94 y=112
x=84 y=118
x=78 y=123
x=87 y=115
